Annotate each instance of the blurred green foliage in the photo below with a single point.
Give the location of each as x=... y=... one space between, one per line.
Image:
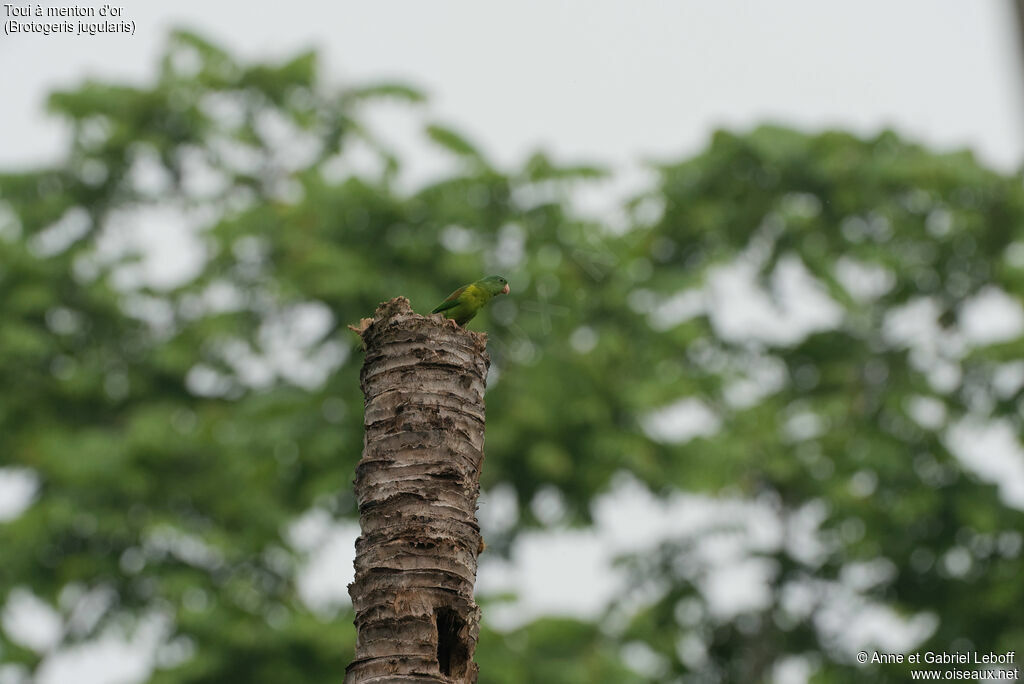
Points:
x=176 y=430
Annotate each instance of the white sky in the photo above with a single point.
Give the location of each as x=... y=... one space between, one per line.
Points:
x=611 y=80
x=615 y=82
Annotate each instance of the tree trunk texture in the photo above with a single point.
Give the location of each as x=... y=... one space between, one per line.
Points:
x=417 y=483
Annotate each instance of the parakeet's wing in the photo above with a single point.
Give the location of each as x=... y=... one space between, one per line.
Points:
x=451 y=301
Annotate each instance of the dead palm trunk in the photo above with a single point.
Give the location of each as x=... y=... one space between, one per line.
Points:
x=417 y=484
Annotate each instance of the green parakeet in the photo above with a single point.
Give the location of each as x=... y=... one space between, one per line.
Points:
x=465 y=302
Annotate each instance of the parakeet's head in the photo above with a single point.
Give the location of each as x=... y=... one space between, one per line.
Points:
x=494 y=284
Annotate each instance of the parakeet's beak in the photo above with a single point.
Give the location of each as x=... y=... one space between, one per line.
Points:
x=505 y=290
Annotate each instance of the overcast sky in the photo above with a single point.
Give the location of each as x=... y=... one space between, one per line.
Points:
x=608 y=80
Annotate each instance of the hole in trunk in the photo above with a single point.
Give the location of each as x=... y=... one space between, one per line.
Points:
x=452 y=654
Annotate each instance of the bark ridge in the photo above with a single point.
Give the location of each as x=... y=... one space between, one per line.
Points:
x=417 y=483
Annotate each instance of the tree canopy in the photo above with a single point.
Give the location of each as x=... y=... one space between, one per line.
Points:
x=838 y=315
